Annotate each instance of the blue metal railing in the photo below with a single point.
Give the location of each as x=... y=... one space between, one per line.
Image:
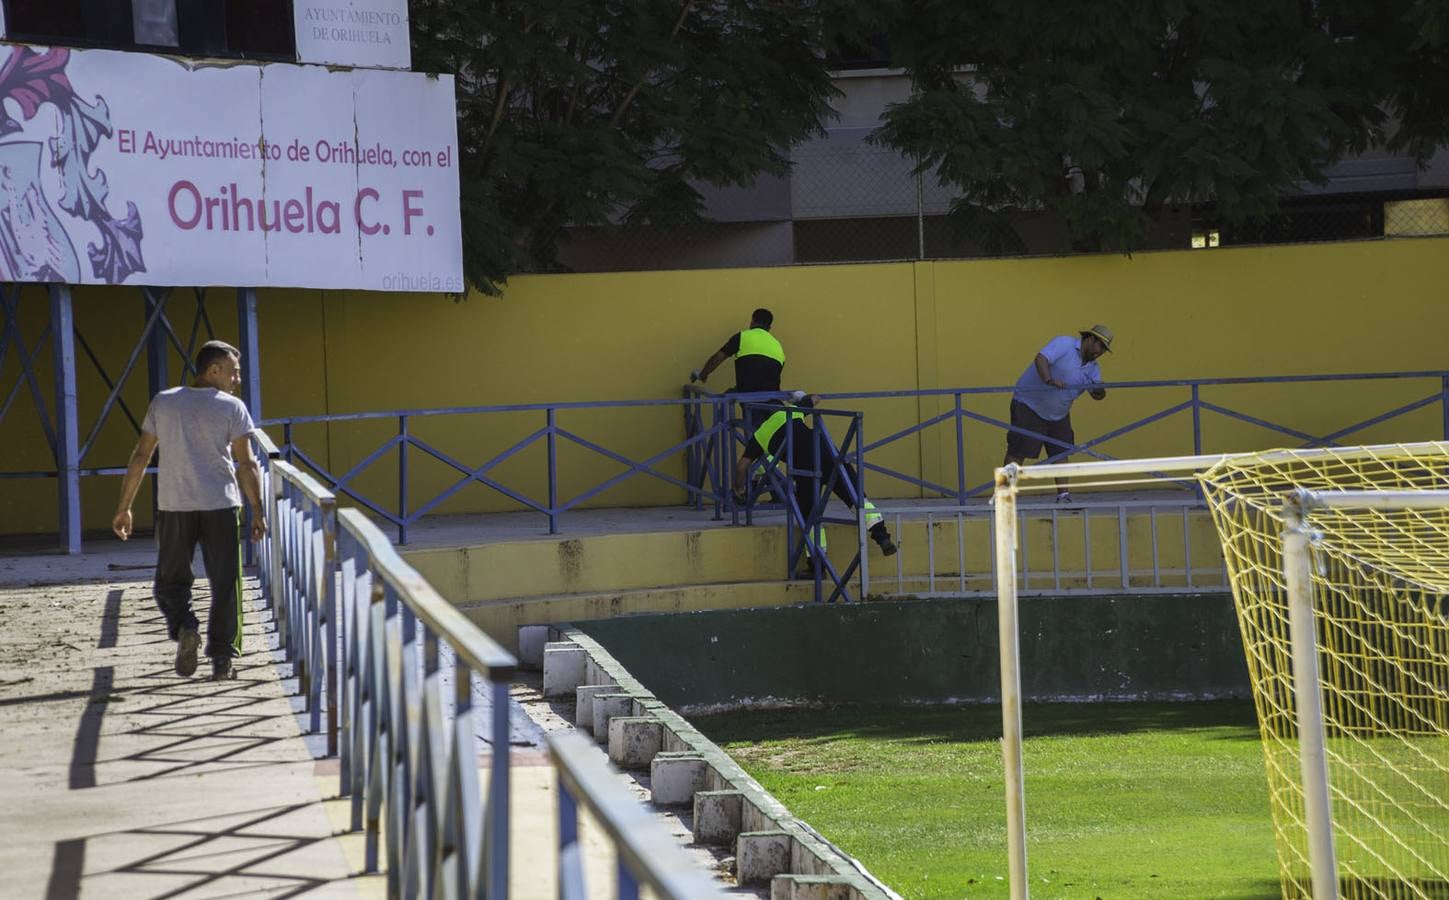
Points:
x=366 y=635
x=549 y=434
x=409 y=757
x=712 y=429
x=1193 y=405
x=713 y=432
x=648 y=856
x=791 y=465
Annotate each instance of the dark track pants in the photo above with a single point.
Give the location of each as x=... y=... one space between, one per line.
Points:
x=802 y=447
x=218 y=531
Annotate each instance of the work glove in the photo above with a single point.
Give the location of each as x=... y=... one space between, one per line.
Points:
x=694 y=376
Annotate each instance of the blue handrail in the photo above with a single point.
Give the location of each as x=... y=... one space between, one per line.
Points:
x=713 y=434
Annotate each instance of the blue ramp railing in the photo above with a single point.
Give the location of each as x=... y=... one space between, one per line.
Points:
x=414 y=693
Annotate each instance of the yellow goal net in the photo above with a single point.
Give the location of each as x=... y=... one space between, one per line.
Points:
x=1344 y=556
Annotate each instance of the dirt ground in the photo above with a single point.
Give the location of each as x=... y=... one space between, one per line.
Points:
x=121 y=779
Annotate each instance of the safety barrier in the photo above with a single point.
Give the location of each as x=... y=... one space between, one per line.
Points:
x=373 y=644
x=648 y=855
x=959 y=562
x=712 y=428
x=297 y=566
x=405 y=514
x=1194 y=406
x=407 y=753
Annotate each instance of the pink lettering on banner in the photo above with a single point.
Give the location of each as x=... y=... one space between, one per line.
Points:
x=227 y=210
x=410 y=211
x=362 y=224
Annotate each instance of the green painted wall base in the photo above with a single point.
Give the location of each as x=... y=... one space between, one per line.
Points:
x=933 y=651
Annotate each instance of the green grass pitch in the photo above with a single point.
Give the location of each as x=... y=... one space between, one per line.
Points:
x=1123 y=800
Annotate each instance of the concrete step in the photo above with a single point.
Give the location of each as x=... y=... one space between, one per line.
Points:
x=770 y=851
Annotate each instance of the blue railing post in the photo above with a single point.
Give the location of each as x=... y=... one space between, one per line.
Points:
x=498 y=793
x=1197 y=421
x=552 y=470
x=960 y=454
x=628 y=887
x=721 y=459
x=67 y=422
x=331 y=632
x=727 y=465
x=402 y=479
x=1444 y=402
x=570 y=855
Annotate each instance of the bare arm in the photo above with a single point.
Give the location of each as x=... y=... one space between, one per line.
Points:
x=249 y=476
x=135 y=471
x=1044 y=370
x=711 y=364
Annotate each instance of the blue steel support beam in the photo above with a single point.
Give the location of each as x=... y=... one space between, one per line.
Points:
x=247 y=343
x=158 y=375
x=67 y=424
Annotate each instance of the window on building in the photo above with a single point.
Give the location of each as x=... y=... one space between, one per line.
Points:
x=252 y=29
x=1417 y=217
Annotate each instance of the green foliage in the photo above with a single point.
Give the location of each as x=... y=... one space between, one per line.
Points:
x=581 y=112
x=1123 y=800
x=1104 y=113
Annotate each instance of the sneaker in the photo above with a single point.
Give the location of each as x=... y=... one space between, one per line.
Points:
x=882 y=537
x=1064 y=497
x=222 y=669
x=187 y=643
x=805 y=571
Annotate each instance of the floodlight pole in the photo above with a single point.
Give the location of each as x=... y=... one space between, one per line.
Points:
x=1298 y=579
x=1009 y=633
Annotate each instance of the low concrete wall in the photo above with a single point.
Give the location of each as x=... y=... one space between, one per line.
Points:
x=933 y=651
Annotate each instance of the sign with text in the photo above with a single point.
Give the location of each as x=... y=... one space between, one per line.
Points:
x=129 y=168
x=372 y=33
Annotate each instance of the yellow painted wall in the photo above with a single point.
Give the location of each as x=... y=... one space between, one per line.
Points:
x=1348 y=307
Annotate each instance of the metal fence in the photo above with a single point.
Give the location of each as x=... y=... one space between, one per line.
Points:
x=1195 y=407
x=372 y=643
x=1102 y=546
x=546 y=438
x=697 y=467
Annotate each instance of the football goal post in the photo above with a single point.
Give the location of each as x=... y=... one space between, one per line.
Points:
x=1339 y=564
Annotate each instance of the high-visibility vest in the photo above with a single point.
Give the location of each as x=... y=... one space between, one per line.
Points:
x=767 y=430
x=759 y=342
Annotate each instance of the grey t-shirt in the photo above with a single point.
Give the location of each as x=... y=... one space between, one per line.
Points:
x=194 y=428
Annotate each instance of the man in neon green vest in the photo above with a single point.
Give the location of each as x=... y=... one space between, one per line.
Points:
x=759 y=358
x=784 y=435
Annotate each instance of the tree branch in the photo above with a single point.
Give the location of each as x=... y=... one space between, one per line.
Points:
x=500 y=103
x=629 y=97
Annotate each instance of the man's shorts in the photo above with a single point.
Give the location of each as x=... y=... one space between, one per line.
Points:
x=1024 y=446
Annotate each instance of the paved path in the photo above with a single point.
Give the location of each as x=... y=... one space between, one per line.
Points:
x=120 y=779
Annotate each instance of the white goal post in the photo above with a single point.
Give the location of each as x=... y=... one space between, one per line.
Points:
x=1295 y=569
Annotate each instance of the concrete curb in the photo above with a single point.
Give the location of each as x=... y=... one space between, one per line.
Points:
x=771 y=845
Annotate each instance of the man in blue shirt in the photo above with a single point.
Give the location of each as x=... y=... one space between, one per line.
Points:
x=1042 y=402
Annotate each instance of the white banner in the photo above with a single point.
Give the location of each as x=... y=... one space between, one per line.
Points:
x=128 y=168
x=353 y=32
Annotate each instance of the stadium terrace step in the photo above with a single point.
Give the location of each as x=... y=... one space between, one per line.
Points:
x=771 y=848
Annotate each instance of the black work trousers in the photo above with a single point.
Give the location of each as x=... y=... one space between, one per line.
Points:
x=801 y=455
x=218 y=531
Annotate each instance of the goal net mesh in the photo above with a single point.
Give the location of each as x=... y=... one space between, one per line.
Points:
x=1379 y=582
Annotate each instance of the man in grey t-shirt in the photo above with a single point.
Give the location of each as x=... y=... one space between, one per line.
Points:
x=206 y=466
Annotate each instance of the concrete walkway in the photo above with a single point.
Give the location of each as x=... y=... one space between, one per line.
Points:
x=120 y=779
